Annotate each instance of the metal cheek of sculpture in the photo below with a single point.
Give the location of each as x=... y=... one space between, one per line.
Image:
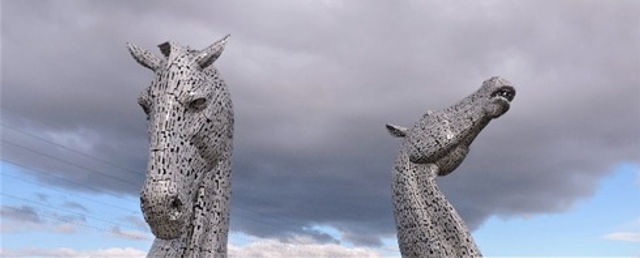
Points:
x=427 y=224
x=185 y=197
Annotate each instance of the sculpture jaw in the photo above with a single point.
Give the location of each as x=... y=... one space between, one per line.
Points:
x=167 y=228
x=452 y=160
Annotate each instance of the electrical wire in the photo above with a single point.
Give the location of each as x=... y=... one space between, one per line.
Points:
x=67 y=211
x=13 y=177
x=67 y=162
x=71 y=149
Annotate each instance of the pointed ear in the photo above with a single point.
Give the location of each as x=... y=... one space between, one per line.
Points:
x=165 y=48
x=397 y=131
x=207 y=56
x=428 y=114
x=144 y=57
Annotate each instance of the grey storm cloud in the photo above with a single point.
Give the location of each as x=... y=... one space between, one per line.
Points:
x=314 y=82
x=23 y=213
x=35 y=215
x=74 y=206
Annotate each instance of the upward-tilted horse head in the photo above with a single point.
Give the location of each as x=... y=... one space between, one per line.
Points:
x=443 y=137
x=427 y=224
x=185 y=198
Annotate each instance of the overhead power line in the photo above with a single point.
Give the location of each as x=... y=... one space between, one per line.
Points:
x=68 y=162
x=135 y=172
x=57 y=177
x=4 y=175
x=68 y=221
x=71 y=149
x=67 y=211
x=238 y=210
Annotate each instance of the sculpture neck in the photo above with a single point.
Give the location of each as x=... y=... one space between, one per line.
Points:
x=426 y=222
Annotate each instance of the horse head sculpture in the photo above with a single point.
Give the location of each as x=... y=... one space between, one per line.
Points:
x=426 y=223
x=185 y=197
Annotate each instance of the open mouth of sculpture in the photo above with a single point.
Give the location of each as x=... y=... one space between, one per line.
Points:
x=505 y=92
x=500 y=100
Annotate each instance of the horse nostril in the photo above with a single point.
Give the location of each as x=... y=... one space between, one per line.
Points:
x=175 y=208
x=176 y=204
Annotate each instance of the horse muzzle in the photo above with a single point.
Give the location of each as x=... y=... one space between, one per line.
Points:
x=163 y=209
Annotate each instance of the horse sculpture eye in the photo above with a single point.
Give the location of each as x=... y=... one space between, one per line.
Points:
x=198 y=104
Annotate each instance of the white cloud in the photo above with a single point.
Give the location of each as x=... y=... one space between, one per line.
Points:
x=136 y=221
x=298 y=247
x=623 y=236
x=10 y=226
x=128 y=234
x=13 y=227
x=68 y=252
x=261 y=247
x=66 y=228
x=17 y=219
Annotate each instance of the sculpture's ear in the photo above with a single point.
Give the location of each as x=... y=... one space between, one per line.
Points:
x=397 y=131
x=207 y=56
x=144 y=57
x=429 y=113
x=165 y=48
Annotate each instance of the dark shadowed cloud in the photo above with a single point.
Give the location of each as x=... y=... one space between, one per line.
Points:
x=314 y=82
x=74 y=206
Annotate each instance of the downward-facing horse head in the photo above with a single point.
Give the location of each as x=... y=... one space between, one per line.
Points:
x=185 y=197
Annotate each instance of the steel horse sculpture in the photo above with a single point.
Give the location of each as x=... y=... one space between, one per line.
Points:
x=185 y=197
x=427 y=224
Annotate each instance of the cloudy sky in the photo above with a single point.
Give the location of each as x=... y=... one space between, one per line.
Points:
x=313 y=83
